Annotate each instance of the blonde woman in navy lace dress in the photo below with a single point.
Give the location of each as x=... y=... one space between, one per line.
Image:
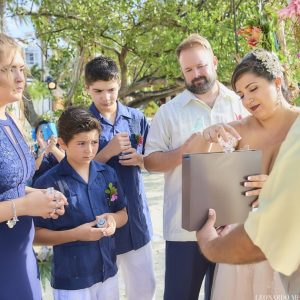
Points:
x=19 y=276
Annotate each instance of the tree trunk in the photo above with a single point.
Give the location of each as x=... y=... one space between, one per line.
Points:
x=2 y=15
x=79 y=63
x=123 y=68
x=29 y=110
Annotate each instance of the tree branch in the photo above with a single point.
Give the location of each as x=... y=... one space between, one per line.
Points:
x=144 y=97
x=45 y=14
x=107 y=48
x=141 y=84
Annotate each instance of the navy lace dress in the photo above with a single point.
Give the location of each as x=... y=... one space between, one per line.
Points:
x=19 y=276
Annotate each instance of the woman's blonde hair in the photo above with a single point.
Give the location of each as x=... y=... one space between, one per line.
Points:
x=8 y=47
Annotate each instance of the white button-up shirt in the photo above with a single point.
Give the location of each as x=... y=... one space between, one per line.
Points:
x=172 y=125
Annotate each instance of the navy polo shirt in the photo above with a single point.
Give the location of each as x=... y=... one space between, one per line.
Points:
x=79 y=265
x=48 y=162
x=138 y=230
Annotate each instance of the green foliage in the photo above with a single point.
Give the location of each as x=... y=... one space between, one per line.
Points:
x=151 y=109
x=45 y=271
x=44 y=255
x=297 y=101
x=38 y=90
x=57 y=113
x=143 y=35
x=81 y=97
x=36 y=72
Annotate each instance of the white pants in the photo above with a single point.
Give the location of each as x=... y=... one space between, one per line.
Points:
x=107 y=290
x=138 y=273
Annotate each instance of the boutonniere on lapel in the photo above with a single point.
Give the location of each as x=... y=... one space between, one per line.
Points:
x=139 y=140
x=112 y=194
x=238 y=117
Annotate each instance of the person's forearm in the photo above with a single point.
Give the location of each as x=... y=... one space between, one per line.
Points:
x=58 y=154
x=48 y=237
x=7 y=209
x=163 y=161
x=103 y=155
x=234 y=248
x=38 y=161
x=29 y=189
x=120 y=217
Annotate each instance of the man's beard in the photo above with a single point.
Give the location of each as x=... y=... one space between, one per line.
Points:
x=201 y=85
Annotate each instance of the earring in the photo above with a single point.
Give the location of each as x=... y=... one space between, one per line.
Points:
x=279 y=97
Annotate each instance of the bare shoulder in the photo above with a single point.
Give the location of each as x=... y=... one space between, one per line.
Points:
x=244 y=125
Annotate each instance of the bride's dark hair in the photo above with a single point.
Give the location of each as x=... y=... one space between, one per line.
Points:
x=252 y=64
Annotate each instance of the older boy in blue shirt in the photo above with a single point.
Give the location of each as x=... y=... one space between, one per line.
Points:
x=84 y=260
x=124 y=131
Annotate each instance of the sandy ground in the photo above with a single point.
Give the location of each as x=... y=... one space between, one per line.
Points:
x=154 y=191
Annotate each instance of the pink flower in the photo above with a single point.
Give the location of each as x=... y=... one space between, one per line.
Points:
x=238 y=117
x=298 y=55
x=292 y=10
x=112 y=193
x=114 y=197
x=139 y=139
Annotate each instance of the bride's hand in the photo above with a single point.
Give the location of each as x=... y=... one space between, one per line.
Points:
x=255 y=182
x=213 y=133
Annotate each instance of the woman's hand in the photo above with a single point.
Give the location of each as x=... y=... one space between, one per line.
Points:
x=213 y=133
x=42 y=204
x=255 y=182
x=196 y=143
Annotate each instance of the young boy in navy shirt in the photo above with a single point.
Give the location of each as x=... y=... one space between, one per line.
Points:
x=122 y=141
x=84 y=260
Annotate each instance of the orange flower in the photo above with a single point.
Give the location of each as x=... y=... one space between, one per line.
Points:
x=252 y=34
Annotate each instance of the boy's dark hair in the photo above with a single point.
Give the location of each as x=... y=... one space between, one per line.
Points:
x=100 y=68
x=75 y=120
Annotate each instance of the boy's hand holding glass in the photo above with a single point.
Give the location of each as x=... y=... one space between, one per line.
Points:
x=119 y=143
x=110 y=225
x=131 y=158
x=88 y=232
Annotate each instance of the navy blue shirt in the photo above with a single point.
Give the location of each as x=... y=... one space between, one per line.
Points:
x=48 y=162
x=137 y=232
x=79 y=265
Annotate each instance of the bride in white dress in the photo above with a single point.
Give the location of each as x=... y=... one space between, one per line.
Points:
x=258 y=80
